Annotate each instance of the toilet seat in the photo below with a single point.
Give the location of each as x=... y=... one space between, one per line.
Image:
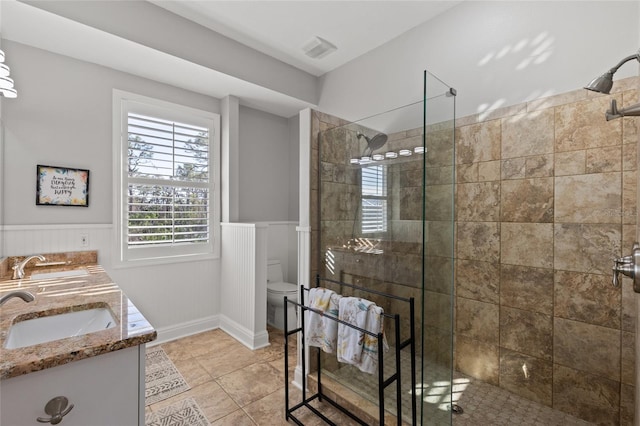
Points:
x=281 y=288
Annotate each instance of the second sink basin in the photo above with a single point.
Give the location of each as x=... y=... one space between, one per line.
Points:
x=60 y=326
x=59 y=274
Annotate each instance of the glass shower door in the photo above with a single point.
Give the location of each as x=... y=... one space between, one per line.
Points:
x=385 y=223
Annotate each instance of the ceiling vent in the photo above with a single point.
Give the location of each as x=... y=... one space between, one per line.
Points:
x=318 y=48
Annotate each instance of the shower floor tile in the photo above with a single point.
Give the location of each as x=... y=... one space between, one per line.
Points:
x=485 y=404
x=482 y=404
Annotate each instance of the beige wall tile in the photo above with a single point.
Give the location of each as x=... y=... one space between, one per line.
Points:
x=570 y=163
x=514 y=168
x=478 y=359
x=526 y=376
x=478 y=280
x=628 y=237
x=539 y=166
x=467 y=173
x=606 y=159
x=489 y=170
x=478 y=201
x=582 y=125
x=527 y=332
x=593 y=198
x=524 y=287
x=586 y=395
x=629 y=197
x=478 y=142
x=528 y=134
x=630 y=156
x=439 y=239
x=437 y=308
x=585 y=247
x=477 y=320
x=588 y=298
x=438 y=199
x=627 y=404
x=438 y=274
x=478 y=241
x=628 y=358
x=588 y=348
x=556 y=100
x=628 y=322
x=527 y=244
x=527 y=200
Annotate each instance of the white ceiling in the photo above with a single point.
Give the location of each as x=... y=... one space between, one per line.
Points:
x=277 y=28
x=281 y=28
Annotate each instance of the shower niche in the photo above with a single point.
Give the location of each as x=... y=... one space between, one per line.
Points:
x=384 y=221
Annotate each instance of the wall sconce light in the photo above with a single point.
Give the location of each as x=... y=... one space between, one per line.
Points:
x=6 y=83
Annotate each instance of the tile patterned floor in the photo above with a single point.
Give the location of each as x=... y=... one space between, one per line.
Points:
x=235 y=386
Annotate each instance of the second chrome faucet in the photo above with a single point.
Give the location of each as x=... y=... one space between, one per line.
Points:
x=18 y=267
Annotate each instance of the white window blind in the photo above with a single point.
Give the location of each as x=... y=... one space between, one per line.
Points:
x=166 y=167
x=168 y=179
x=374 y=199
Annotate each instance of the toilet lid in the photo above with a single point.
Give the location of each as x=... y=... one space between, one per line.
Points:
x=281 y=287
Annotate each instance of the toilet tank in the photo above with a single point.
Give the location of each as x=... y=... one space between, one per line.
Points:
x=274 y=271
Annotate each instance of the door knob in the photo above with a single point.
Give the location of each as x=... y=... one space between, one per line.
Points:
x=629 y=266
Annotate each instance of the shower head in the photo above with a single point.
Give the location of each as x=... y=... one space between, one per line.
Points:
x=375 y=142
x=604 y=83
x=601 y=84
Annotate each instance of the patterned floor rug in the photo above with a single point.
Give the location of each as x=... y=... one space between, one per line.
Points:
x=162 y=378
x=183 y=413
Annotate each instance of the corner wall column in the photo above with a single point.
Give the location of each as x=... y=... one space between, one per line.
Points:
x=230 y=159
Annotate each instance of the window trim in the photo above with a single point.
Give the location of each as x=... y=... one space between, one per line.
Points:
x=123 y=256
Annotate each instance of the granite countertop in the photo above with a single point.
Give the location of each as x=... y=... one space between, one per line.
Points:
x=67 y=294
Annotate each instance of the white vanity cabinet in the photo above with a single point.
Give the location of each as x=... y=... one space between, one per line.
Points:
x=107 y=390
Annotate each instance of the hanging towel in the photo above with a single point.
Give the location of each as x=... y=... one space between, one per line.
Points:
x=321 y=332
x=375 y=324
x=330 y=341
x=352 y=310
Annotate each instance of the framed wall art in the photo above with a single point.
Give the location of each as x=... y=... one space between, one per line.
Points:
x=62 y=186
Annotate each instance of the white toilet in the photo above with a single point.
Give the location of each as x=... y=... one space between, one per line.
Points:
x=276 y=291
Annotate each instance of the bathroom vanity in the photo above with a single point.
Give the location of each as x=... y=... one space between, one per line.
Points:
x=96 y=378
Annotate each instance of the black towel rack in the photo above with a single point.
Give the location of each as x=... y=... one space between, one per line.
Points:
x=383 y=382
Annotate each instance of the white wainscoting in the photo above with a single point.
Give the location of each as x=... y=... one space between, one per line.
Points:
x=243 y=284
x=22 y=240
x=178 y=299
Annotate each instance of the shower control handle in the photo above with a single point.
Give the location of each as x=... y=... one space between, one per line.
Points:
x=629 y=266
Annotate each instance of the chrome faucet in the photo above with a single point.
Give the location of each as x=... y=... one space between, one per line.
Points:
x=24 y=295
x=18 y=267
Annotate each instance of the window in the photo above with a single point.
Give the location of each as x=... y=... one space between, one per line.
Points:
x=374 y=199
x=166 y=170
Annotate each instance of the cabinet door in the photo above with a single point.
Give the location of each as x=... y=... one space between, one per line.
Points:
x=104 y=390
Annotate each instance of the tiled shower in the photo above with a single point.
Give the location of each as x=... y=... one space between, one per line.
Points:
x=545 y=198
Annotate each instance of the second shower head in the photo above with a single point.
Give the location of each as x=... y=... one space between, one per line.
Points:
x=375 y=142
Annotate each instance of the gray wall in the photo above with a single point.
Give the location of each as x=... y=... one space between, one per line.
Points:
x=63 y=117
x=494 y=53
x=265 y=161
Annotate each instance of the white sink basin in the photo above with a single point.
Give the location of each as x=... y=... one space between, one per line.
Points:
x=59 y=274
x=54 y=327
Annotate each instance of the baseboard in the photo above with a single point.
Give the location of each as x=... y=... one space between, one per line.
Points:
x=177 y=331
x=244 y=335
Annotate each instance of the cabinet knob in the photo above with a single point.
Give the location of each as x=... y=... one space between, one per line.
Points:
x=57 y=409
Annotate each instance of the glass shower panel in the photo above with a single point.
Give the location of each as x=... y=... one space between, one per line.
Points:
x=438 y=390
x=386 y=223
